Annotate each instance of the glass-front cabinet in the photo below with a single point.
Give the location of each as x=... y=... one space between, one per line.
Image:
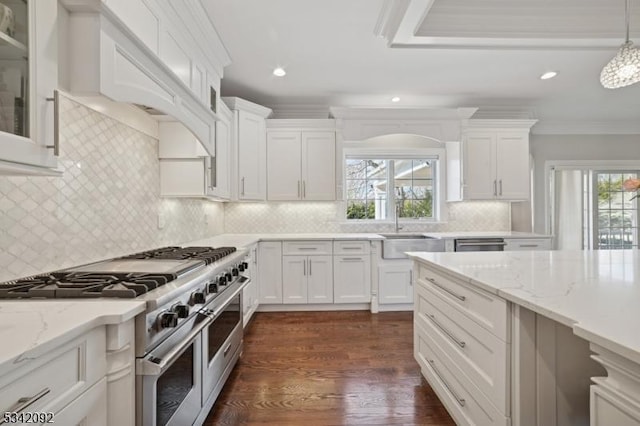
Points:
x=28 y=83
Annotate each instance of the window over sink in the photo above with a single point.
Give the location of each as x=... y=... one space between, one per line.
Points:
x=379 y=187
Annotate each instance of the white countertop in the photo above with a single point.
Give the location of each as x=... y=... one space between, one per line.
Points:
x=597 y=293
x=31 y=328
x=484 y=234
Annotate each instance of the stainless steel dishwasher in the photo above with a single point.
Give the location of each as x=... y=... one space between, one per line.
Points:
x=480 y=244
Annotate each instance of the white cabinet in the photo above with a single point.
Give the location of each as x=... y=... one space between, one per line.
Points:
x=61 y=381
x=351 y=272
x=270 y=272
x=462 y=343
x=249 y=142
x=300 y=165
x=28 y=80
x=518 y=244
x=496 y=160
x=250 y=292
x=219 y=170
x=307 y=279
x=307 y=272
x=395 y=283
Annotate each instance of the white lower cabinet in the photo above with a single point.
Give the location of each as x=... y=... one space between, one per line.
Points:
x=68 y=381
x=307 y=279
x=352 y=278
x=394 y=283
x=462 y=343
x=270 y=272
x=250 y=293
x=518 y=244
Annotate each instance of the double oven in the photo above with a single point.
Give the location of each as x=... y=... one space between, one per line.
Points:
x=179 y=380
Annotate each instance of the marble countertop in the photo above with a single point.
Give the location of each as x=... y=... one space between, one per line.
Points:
x=596 y=293
x=484 y=234
x=31 y=328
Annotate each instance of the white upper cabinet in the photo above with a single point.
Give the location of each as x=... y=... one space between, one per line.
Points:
x=219 y=170
x=300 y=162
x=496 y=160
x=28 y=80
x=249 y=155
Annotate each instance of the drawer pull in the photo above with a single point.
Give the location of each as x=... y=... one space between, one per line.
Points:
x=351 y=248
x=447 y=332
x=307 y=248
x=528 y=245
x=443 y=288
x=461 y=401
x=352 y=259
x=26 y=401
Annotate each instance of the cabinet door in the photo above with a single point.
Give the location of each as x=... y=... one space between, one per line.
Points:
x=512 y=166
x=394 y=284
x=479 y=166
x=319 y=165
x=270 y=272
x=29 y=77
x=220 y=172
x=351 y=279
x=283 y=166
x=89 y=409
x=294 y=279
x=248 y=295
x=251 y=156
x=320 y=279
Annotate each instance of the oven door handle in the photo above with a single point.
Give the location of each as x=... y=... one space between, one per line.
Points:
x=147 y=367
x=224 y=304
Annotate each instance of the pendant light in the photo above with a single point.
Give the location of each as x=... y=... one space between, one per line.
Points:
x=624 y=69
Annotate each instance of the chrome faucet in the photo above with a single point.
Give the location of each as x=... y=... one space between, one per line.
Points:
x=398 y=227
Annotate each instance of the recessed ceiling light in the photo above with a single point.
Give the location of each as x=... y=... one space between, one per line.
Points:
x=395 y=99
x=279 y=72
x=548 y=75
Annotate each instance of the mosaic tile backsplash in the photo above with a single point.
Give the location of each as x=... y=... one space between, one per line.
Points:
x=106 y=204
x=310 y=217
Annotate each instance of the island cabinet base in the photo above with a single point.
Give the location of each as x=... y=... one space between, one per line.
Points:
x=615 y=399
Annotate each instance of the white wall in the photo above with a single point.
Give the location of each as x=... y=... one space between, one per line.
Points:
x=105 y=205
x=574 y=147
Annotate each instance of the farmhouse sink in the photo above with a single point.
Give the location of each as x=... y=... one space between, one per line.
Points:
x=394 y=246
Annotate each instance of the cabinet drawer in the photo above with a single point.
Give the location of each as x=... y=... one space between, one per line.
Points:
x=528 y=244
x=351 y=247
x=488 y=310
x=479 y=354
x=57 y=377
x=306 y=247
x=464 y=401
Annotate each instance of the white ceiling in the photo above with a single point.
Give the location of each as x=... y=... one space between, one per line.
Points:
x=333 y=58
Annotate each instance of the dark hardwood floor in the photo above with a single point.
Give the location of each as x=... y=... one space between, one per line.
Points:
x=328 y=368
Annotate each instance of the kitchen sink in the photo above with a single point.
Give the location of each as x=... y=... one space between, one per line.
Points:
x=394 y=246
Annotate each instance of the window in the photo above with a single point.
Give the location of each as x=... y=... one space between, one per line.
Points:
x=615 y=213
x=378 y=187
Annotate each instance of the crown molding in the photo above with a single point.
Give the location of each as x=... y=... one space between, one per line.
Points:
x=299 y=124
x=498 y=124
x=366 y=113
x=244 y=105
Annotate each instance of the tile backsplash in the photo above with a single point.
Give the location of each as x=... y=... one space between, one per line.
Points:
x=106 y=203
x=310 y=217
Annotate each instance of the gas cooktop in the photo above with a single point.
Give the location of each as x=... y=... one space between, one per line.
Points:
x=125 y=277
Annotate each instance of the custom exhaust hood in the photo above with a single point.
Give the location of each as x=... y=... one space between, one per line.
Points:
x=107 y=60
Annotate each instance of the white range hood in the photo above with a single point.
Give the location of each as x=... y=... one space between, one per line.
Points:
x=107 y=60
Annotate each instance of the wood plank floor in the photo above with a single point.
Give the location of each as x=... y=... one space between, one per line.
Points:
x=328 y=368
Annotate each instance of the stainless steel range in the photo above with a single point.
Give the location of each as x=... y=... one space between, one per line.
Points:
x=190 y=335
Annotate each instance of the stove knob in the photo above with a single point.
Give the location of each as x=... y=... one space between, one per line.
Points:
x=245 y=265
x=228 y=276
x=168 y=320
x=235 y=272
x=241 y=267
x=222 y=281
x=213 y=287
x=197 y=297
x=181 y=310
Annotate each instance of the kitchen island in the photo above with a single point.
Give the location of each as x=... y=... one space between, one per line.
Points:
x=547 y=312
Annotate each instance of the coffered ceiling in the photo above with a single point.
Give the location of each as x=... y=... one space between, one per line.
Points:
x=432 y=53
